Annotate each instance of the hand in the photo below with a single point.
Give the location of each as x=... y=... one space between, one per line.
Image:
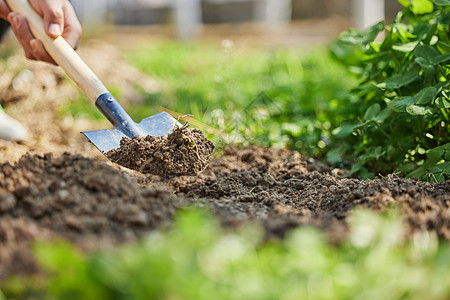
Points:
x=59 y=19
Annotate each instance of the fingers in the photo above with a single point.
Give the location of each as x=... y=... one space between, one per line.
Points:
x=39 y=51
x=72 y=27
x=20 y=27
x=52 y=14
x=4 y=10
x=34 y=49
x=59 y=19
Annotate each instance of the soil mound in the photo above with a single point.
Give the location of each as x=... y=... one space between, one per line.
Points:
x=81 y=199
x=182 y=152
x=281 y=190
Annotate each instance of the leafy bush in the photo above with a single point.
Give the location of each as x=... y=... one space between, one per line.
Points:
x=199 y=260
x=400 y=113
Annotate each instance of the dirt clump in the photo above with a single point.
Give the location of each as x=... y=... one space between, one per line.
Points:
x=182 y=152
x=83 y=200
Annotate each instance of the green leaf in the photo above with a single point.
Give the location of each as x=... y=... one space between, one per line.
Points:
x=441 y=152
x=372 y=112
x=401 y=79
x=373 y=153
x=347 y=129
x=336 y=155
x=445 y=167
x=356 y=167
x=425 y=96
x=441 y=58
x=422 y=6
x=344 y=130
x=443 y=47
x=437 y=177
x=403 y=33
x=408 y=47
x=442 y=2
x=429 y=68
x=422 y=171
x=423 y=30
x=407 y=167
x=445 y=94
x=384 y=114
x=405 y=3
x=417 y=110
x=427 y=52
x=442 y=102
x=443 y=84
x=400 y=104
x=356 y=37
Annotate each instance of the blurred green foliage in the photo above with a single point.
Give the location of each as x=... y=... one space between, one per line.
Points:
x=277 y=97
x=400 y=117
x=197 y=259
x=80 y=108
x=83 y=108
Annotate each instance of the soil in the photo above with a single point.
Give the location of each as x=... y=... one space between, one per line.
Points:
x=81 y=199
x=93 y=204
x=183 y=152
x=281 y=190
x=76 y=194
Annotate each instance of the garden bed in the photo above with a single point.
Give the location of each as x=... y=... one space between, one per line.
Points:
x=95 y=205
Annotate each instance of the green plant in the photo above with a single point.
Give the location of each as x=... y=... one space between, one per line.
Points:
x=400 y=116
x=197 y=259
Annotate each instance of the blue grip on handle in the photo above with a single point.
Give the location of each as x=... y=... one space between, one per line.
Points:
x=115 y=113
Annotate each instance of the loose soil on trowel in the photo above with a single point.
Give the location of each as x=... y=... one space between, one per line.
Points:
x=183 y=152
x=82 y=197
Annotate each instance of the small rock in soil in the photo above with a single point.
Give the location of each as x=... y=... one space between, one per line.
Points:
x=182 y=152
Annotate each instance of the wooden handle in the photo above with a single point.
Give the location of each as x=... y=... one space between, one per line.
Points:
x=61 y=52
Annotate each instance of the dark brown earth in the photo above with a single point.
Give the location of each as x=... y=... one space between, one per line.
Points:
x=281 y=190
x=92 y=204
x=183 y=152
x=80 y=199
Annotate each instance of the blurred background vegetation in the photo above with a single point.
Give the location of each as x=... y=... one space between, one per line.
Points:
x=276 y=97
x=197 y=259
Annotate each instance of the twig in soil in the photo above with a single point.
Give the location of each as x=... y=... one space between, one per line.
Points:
x=198 y=155
x=185 y=125
x=321 y=194
x=292 y=179
x=184 y=116
x=236 y=184
x=145 y=164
